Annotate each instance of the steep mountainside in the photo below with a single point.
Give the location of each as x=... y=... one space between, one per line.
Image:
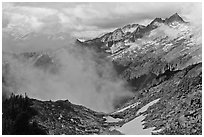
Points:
x=160 y=61
x=163 y=45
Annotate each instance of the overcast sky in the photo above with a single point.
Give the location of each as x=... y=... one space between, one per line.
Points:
x=91 y=19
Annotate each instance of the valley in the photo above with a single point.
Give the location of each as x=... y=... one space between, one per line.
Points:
x=157 y=71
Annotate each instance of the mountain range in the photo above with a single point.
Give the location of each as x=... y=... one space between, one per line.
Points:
x=145 y=52
x=161 y=63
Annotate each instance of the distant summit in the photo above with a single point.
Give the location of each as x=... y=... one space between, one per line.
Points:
x=173 y=18
x=114 y=41
x=157 y=20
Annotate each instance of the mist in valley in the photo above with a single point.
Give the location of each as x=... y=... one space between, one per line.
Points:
x=67 y=72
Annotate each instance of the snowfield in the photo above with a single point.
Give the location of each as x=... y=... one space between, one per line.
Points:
x=135 y=127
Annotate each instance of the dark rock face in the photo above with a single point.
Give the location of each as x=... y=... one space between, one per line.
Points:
x=159 y=20
x=173 y=18
x=17 y=112
x=60 y=117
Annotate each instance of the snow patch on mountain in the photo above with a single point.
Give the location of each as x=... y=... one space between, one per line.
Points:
x=135 y=126
x=130 y=28
x=125 y=108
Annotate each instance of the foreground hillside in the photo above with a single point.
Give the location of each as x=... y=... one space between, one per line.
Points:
x=178 y=110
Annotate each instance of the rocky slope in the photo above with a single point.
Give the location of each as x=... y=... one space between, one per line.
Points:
x=178 y=110
x=161 y=60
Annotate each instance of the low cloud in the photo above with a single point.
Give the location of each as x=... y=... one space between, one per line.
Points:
x=76 y=74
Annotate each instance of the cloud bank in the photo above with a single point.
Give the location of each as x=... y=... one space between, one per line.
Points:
x=75 y=74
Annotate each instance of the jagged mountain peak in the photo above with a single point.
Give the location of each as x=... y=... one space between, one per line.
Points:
x=130 y=28
x=158 y=20
x=132 y=32
x=174 y=17
x=118 y=30
x=130 y=25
